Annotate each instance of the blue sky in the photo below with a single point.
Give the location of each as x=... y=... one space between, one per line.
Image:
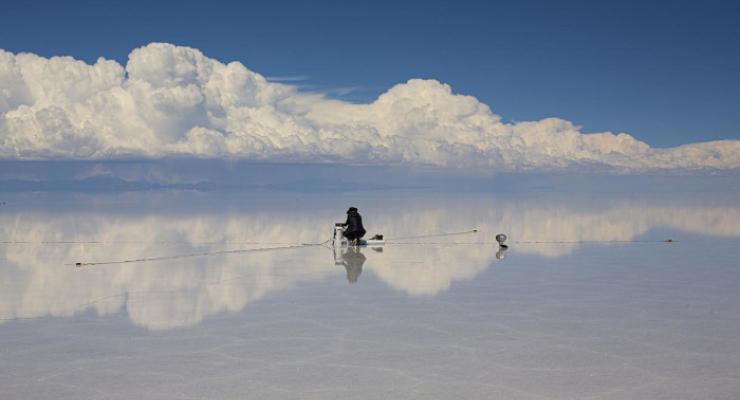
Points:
x=667 y=72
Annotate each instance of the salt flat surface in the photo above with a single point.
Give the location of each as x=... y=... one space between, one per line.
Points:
x=588 y=302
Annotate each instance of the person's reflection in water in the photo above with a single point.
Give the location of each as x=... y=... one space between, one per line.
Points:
x=352 y=259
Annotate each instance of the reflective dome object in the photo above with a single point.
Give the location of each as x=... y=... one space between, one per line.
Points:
x=501 y=238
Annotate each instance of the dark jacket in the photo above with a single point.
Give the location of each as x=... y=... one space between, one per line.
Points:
x=354 y=223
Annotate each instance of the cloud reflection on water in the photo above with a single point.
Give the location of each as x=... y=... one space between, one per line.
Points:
x=181 y=292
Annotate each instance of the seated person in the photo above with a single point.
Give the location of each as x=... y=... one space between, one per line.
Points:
x=354 y=230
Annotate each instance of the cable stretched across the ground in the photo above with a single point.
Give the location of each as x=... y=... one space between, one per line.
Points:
x=208 y=253
x=525 y=242
x=134 y=242
x=431 y=235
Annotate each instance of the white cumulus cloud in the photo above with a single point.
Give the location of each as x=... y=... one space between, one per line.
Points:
x=171 y=101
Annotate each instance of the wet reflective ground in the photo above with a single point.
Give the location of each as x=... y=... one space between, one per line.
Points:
x=589 y=301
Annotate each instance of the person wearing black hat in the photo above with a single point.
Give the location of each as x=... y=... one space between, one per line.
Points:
x=354 y=230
